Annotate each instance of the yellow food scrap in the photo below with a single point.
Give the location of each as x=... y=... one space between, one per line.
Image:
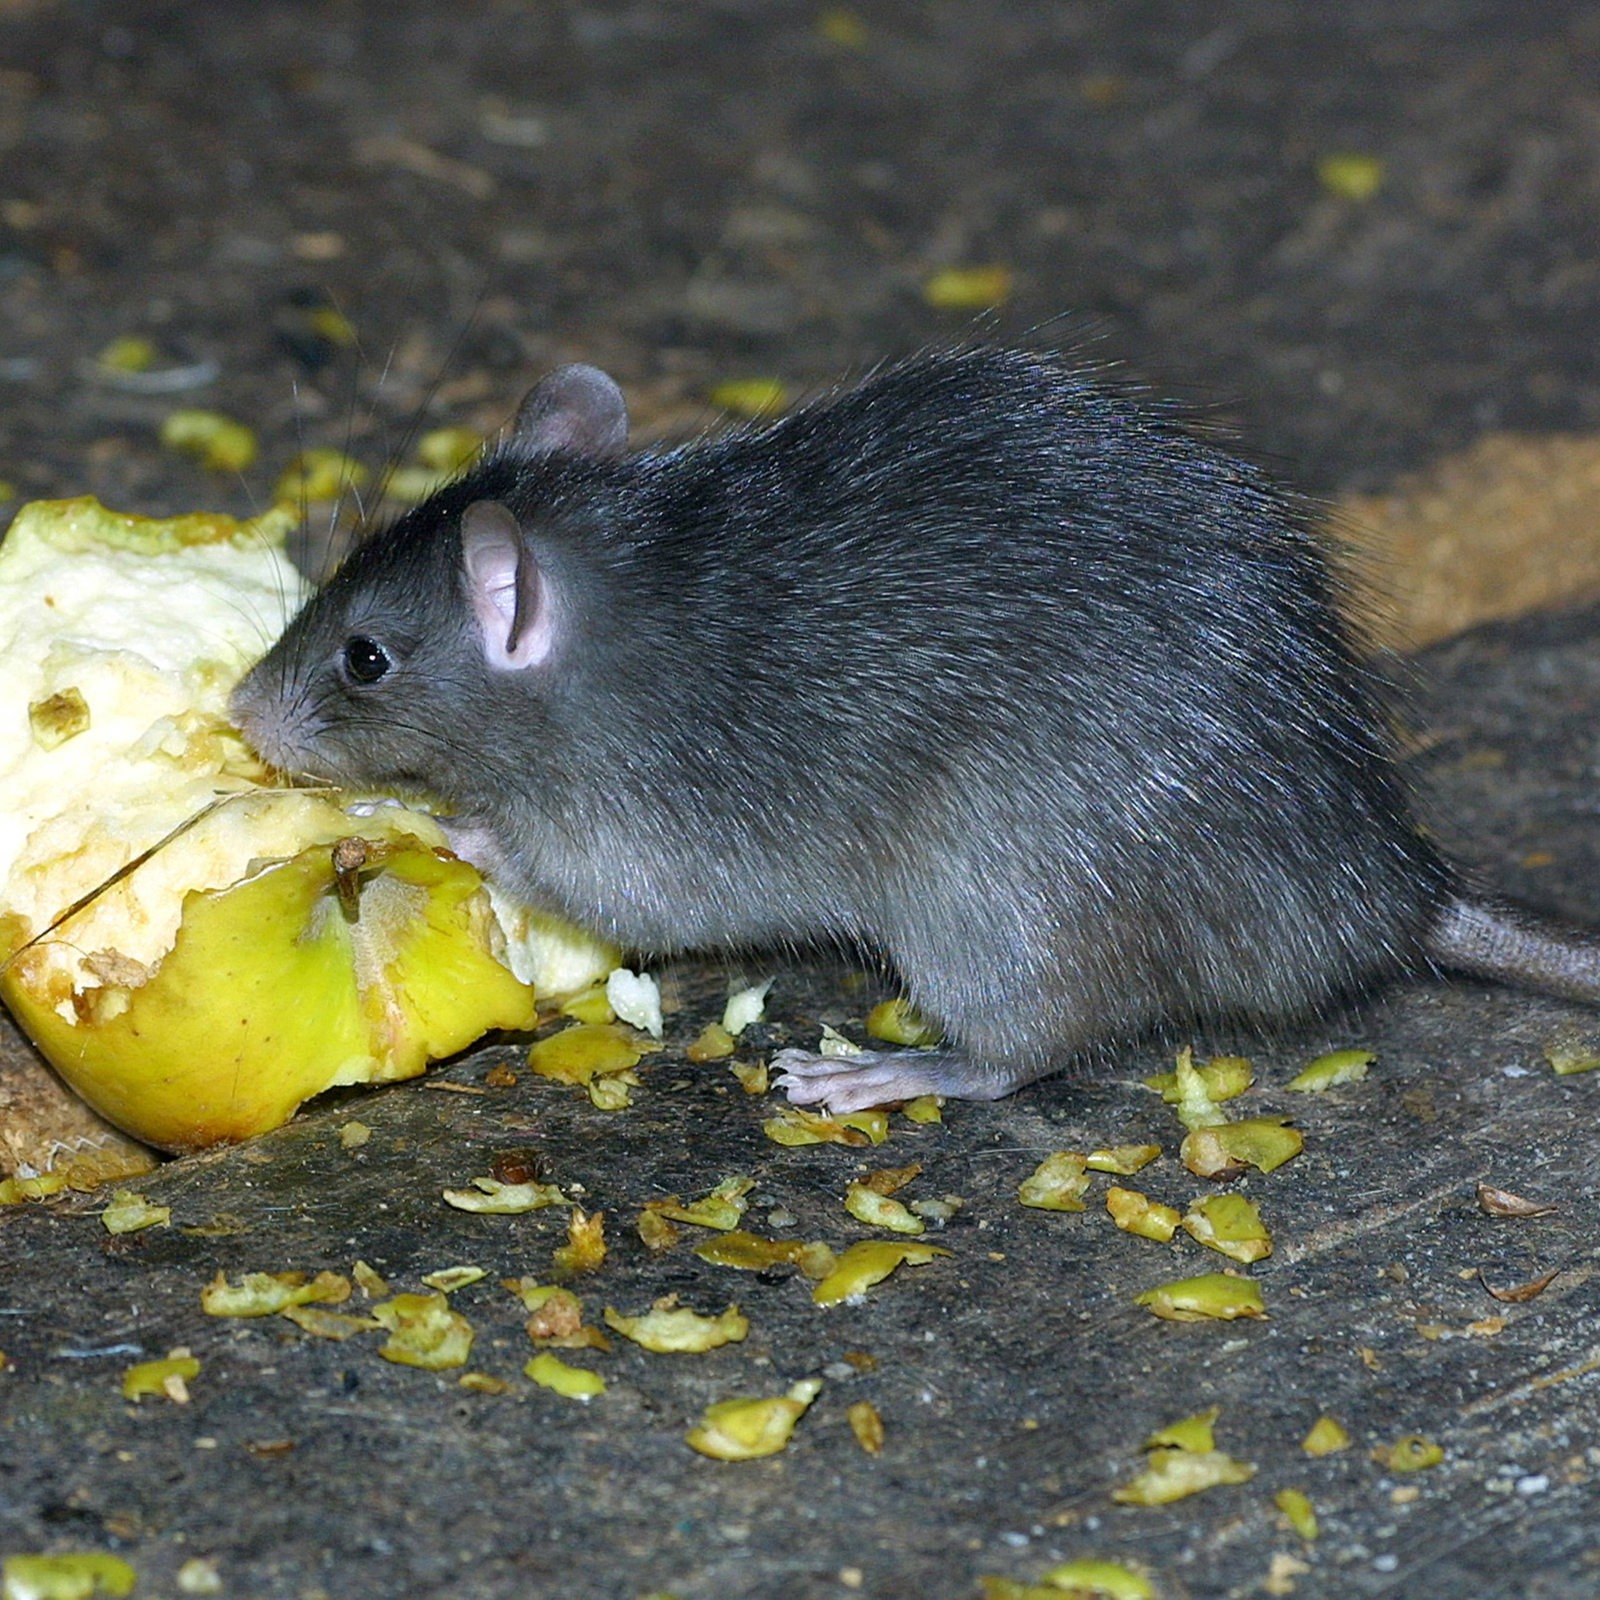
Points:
x=925 y=1108
x=58 y=717
x=573 y=1383
x=353 y=1135
x=76 y=1576
x=1137 y=1213
x=585 y=1249
x=129 y=352
x=743 y=1430
x=753 y=1076
x=751 y=1253
x=423 y=1331
x=750 y=397
x=1196 y=1091
x=724 y=1207
x=713 y=1043
x=319 y=475
x=745 y=1006
x=321 y=1324
x=655 y=1232
x=868 y=1262
x=1085 y=1579
x=1221 y=1078
x=939 y=1211
x=1122 y=1159
x=128 y=1212
x=490 y=1196
x=483 y=1383
x=842 y=27
x=1218 y=1295
x=636 y=999
x=330 y=323
x=877 y=1210
x=1327 y=1436
x=1172 y=1474
x=899 y=1022
x=1057 y=1183
x=557 y=1317
x=968 y=288
x=891 y=1180
x=793 y=1126
x=217 y=442
x=1282 y=1571
x=586 y=1050
x=1567 y=1056
x=449 y=449
x=535 y=1296
x=1261 y=1142
x=18 y=1191
x=1297 y=1507
x=264 y=1294
x=1229 y=1223
x=613 y=1091
x=671 y=1329
x=110 y=1159
x=1192 y=1433
x=443 y=455
x=369 y=1280
x=168 y=1377
x=993 y=1587
x=588 y=1005
x=448 y=1279
x=1331 y=1070
x=867 y=1426
x=1412 y=1453
x=1349 y=175
x=1195 y=1104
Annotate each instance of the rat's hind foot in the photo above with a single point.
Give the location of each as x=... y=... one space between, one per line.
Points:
x=852 y=1083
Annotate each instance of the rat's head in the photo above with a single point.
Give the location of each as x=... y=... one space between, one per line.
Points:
x=433 y=646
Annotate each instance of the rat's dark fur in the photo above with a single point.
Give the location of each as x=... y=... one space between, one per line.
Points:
x=986 y=665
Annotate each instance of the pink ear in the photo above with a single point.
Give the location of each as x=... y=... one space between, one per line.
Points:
x=575 y=409
x=508 y=597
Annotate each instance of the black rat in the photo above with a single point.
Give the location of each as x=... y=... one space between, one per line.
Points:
x=988 y=665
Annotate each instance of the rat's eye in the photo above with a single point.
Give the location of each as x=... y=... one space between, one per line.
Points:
x=365 y=660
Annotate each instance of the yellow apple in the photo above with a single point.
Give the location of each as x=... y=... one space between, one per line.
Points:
x=195 y=951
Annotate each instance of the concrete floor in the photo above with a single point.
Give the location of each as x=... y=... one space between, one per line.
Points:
x=688 y=194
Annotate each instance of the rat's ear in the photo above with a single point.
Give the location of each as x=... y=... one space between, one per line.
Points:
x=576 y=409
x=509 y=596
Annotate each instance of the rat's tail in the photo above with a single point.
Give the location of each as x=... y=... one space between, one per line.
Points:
x=1487 y=938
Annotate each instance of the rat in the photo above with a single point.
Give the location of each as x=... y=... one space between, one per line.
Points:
x=989 y=665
